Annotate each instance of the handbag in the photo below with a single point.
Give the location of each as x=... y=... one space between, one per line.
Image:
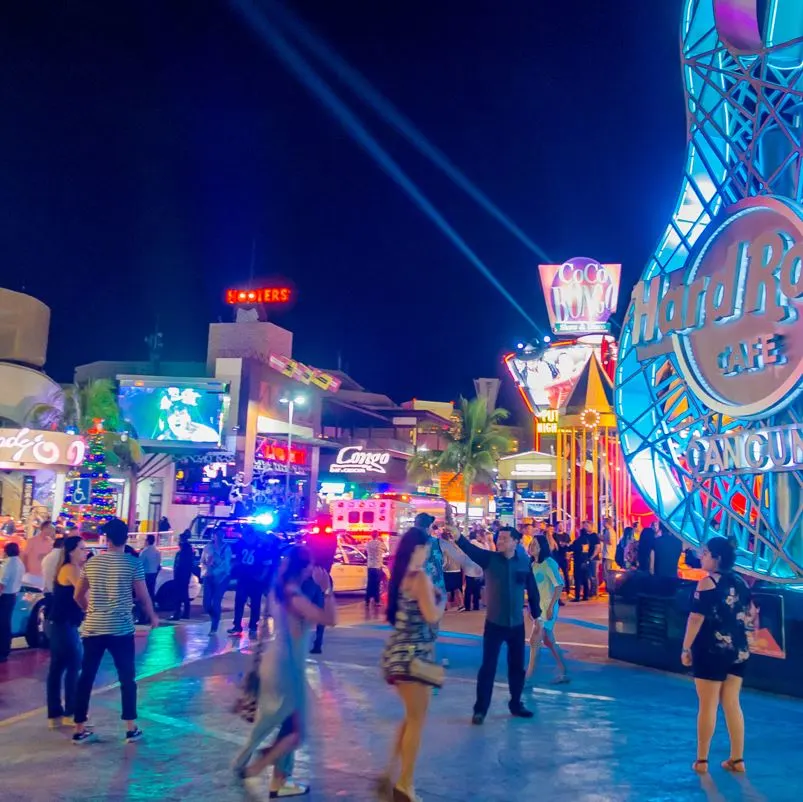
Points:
x=247 y=701
x=427 y=672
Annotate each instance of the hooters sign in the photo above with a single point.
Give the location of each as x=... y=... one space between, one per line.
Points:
x=580 y=294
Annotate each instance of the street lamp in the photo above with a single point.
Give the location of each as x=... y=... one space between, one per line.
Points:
x=291 y=402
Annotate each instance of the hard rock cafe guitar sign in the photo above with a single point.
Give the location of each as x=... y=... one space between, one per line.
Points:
x=710 y=373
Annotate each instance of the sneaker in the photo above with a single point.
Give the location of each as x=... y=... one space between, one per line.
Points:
x=290 y=789
x=54 y=723
x=252 y=633
x=132 y=736
x=316 y=650
x=520 y=711
x=85 y=737
x=69 y=721
x=235 y=631
x=477 y=719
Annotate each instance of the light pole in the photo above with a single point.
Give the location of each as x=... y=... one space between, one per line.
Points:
x=291 y=402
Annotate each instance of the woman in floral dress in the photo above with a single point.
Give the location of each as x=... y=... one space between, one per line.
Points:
x=716 y=649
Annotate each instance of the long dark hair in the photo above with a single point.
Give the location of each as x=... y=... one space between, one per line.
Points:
x=628 y=534
x=544 y=550
x=412 y=539
x=722 y=549
x=296 y=560
x=70 y=545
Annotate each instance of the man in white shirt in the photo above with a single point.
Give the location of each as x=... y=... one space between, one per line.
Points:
x=609 y=542
x=10 y=584
x=50 y=564
x=375 y=552
x=473 y=574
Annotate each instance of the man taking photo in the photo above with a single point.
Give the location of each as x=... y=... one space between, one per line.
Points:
x=507 y=577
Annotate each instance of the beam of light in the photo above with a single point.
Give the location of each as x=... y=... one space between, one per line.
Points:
x=361 y=87
x=299 y=66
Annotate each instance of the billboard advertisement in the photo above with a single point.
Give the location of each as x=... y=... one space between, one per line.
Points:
x=164 y=412
x=547 y=378
x=581 y=295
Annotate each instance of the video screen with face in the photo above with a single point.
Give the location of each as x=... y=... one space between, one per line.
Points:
x=165 y=413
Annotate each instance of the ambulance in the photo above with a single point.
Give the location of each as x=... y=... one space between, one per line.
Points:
x=353 y=520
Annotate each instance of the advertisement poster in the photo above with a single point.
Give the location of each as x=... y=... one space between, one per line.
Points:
x=26 y=504
x=767 y=634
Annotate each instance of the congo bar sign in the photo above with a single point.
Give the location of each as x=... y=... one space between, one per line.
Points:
x=27 y=449
x=354 y=460
x=733 y=319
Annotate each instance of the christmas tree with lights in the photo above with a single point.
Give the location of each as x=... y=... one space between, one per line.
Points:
x=102 y=502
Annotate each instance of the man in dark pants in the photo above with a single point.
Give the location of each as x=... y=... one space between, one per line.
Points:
x=582 y=550
x=323 y=547
x=250 y=566
x=182 y=574
x=104 y=592
x=507 y=577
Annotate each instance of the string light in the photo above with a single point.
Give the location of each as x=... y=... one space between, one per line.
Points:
x=590 y=418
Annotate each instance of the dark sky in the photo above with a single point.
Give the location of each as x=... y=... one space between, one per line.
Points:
x=146 y=144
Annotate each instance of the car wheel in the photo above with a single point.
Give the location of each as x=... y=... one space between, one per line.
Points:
x=166 y=597
x=35 y=635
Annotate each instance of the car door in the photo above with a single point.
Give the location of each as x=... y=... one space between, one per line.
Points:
x=349 y=571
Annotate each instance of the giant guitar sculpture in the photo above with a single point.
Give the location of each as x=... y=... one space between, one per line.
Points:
x=710 y=370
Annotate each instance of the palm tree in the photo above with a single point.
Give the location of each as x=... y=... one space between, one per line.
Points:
x=473 y=447
x=81 y=407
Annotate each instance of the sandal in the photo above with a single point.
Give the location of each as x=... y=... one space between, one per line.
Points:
x=384 y=789
x=736 y=765
x=700 y=766
x=405 y=796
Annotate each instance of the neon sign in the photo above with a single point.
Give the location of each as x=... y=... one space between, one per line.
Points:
x=733 y=320
x=546 y=421
x=264 y=295
x=353 y=459
x=304 y=373
x=773 y=449
x=26 y=448
x=581 y=295
x=276 y=452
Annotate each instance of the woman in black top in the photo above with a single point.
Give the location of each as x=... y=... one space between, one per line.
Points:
x=646 y=550
x=716 y=648
x=65 y=617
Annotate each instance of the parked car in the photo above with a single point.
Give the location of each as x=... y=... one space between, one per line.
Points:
x=350 y=570
x=28 y=617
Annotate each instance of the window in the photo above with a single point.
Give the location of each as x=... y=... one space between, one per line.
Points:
x=354 y=517
x=354 y=556
x=368 y=517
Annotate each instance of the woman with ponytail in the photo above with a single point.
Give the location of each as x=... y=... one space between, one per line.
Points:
x=65 y=617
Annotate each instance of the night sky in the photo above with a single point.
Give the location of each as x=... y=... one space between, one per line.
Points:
x=146 y=145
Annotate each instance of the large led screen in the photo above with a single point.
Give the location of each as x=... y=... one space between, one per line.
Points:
x=174 y=413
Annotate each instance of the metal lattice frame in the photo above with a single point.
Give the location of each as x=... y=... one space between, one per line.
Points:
x=744 y=98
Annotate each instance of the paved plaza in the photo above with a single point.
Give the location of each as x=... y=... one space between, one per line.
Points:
x=616 y=733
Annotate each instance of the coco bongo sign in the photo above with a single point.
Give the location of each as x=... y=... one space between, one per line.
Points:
x=733 y=321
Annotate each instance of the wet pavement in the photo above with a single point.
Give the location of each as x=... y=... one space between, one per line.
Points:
x=616 y=733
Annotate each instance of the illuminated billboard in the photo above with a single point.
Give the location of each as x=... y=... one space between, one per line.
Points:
x=581 y=295
x=547 y=378
x=174 y=412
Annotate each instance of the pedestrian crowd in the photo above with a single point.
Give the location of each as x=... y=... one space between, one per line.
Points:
x=518 y=577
